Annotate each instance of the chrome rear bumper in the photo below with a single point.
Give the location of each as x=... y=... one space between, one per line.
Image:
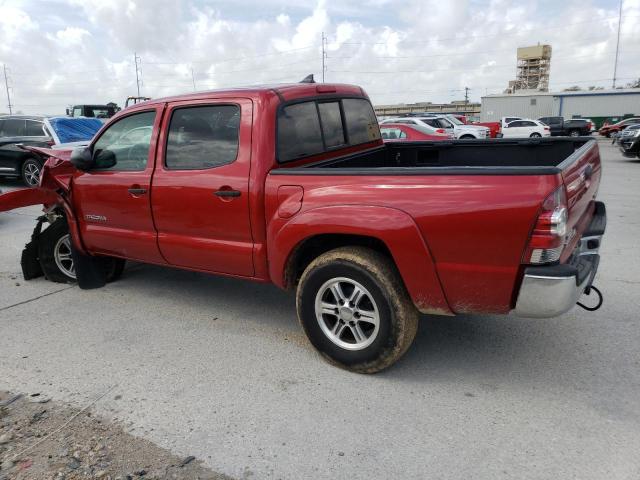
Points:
x=551 y=290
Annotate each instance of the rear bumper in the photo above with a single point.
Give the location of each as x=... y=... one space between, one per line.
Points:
x=551 y=290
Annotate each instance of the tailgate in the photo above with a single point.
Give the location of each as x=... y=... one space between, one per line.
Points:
x=581 y=174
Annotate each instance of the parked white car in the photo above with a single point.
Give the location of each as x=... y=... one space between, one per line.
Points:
x=450 y=125
x=504 y=121
x=429 y=128
x=526 y=128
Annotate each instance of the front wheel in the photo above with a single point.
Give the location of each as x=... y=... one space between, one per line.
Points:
x=56 y=258
x=467 y=137
x=535 y=135
x=355 y=309
x=30 y=172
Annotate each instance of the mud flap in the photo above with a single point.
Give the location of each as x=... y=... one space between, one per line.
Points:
x=91 y=272
x=29 y=260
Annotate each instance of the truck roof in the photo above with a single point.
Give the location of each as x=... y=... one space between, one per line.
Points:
x=286 y=91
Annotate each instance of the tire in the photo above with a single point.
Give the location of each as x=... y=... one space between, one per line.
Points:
x=574 y=133
x=364 y=342
x=535 y=135
x=467 y=137
x=54 y=254
x=30 y=172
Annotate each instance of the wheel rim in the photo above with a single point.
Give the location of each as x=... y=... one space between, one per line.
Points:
x=347 y=313
x=575 y=134
x=32 y=173
x=62 y=256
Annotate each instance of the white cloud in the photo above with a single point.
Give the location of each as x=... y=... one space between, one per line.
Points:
x=398 y=50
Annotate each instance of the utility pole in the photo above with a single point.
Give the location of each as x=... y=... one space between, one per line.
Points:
x=193 y=79
x=615 y=65
x=6 y=84
x=324 y=55
x=466 y=99
x=136 y=58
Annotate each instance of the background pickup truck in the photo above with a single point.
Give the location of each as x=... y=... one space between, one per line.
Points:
x=575 y=127
x=293 y=185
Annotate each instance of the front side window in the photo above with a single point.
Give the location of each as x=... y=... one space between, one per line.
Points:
x=124 y=146
x=12 y=128
x=203 y=137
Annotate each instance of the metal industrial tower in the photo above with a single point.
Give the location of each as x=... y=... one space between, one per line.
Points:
x=534 y=64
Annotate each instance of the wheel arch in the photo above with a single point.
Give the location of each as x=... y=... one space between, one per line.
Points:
x=389 y=231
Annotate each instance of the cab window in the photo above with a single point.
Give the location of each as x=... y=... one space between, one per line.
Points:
x=124 y=146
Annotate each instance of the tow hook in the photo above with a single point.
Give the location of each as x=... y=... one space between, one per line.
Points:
x=587 y=292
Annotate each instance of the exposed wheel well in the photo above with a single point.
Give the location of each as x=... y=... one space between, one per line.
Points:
x=312 y=247
x=466 y=135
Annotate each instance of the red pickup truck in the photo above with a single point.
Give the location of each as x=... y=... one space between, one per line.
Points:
x=292 y=184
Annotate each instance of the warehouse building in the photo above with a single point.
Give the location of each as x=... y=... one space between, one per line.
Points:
x=598 y=105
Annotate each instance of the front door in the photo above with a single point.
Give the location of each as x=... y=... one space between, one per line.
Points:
x=200 y=196
x=112 y=199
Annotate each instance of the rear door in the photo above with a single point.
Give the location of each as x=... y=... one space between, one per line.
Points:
x=201 y=186
x=112 y=200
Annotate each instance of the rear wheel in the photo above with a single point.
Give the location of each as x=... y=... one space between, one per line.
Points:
x=56 y=259
x=535 y=135
x=574 y=133
x=30 y=172
x=355 y=309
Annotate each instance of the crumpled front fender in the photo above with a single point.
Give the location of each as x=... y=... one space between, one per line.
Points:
x=53 y=191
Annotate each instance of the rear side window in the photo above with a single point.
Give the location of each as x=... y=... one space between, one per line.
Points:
x=332 y=127
x=313 y=127
x=34 y=129
x=203 y=137
x=362 y=125
x=299 y=131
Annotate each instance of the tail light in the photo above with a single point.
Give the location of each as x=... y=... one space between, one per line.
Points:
x=548 y=236
x=546 y=129
x=589 y=125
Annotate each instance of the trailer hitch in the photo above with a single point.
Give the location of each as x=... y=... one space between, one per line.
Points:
x=588 y=293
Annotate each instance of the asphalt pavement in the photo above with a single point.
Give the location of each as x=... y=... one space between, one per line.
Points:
x=220 y=369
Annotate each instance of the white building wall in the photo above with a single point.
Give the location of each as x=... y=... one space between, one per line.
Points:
x=525 y=106
x=603 y=105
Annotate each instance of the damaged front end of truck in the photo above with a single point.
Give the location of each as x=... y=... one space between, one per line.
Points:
x=57 y=251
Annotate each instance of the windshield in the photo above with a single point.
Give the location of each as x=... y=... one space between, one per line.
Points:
x=454 y=120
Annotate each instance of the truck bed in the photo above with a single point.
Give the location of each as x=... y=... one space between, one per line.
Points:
x=490 y=157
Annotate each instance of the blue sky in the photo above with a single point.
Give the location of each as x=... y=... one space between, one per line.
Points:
x=61 y=52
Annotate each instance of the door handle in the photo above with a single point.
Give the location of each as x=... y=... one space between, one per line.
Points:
x=137 y=191
x=227 y=193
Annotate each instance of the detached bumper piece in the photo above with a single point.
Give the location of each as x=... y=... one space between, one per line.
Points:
x=549 y=291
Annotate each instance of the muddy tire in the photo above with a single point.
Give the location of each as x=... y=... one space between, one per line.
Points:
x=30 y=172
x=54 y=254
x=355 y=309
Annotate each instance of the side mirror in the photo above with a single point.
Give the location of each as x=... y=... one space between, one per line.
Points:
x=104 y=159
x=82 y=159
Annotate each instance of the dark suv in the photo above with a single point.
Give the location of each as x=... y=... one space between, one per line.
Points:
x=15 y=162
